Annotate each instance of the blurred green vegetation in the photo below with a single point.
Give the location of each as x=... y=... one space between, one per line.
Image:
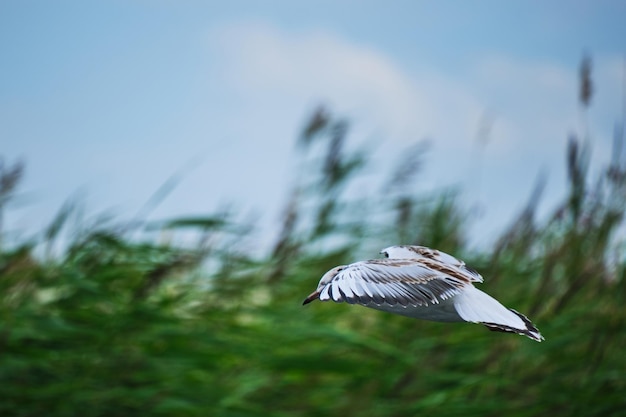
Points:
x=119 y=322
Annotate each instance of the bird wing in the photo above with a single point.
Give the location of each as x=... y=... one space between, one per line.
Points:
x=432 y=257
x=405 y=282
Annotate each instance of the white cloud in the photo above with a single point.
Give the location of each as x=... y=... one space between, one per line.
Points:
x=317 y=66
x=529 y=100
x=533 y=103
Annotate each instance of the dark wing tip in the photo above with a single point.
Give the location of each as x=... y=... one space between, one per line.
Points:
x=530 y=331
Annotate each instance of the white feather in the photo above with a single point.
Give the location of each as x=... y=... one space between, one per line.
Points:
x=475 y=306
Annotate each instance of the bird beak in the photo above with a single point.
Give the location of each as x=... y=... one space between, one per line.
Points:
x=314 y=295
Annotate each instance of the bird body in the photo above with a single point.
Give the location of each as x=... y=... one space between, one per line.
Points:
x=421 y=283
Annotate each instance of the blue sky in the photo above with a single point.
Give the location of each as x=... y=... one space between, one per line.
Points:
x=114 y=97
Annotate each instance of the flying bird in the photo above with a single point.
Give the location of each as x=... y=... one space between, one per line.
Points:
x=422 y=283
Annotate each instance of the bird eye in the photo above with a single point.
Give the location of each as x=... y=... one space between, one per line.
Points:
x=386 y=254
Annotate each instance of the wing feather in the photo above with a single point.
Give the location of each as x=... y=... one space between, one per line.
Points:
x=434 y=258
x=344 y=293
x=354 y=286
x=325 y=293
x=407 y=282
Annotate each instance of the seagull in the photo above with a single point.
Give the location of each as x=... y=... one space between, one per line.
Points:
x=421 y=283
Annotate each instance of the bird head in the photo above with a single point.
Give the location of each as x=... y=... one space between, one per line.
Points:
x=326 y=278
x=399 y=252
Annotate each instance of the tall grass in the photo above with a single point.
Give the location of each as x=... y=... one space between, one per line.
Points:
x=123 y=325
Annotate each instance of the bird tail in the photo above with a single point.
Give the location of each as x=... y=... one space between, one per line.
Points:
x=475 y=306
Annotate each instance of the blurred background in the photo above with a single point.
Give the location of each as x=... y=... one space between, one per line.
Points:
x=175 y=177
